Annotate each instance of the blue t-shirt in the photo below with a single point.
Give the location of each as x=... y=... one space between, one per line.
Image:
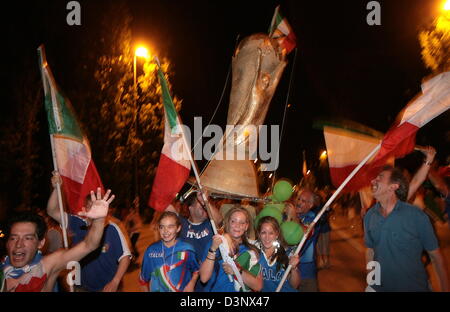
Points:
x=307 y=264
x=398 y=241
x=219 y=281
x=99 y=267
x=169 y=269
x=272 y=276
x=196 y=234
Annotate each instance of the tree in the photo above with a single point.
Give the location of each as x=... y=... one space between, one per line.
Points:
x=435 y=42
x=20 y=147
x=116 y=140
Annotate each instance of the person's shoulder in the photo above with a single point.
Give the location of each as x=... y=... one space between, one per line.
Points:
x=181 y=244
x=371 y=210
x=409 y=208
x=76 y=218
x=412 y=211
x=155 y=247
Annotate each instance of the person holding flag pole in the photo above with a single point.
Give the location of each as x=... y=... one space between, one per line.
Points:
x=174 y=166
x=398 y=141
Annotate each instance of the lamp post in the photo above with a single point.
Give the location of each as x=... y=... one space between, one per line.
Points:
x=141 y=52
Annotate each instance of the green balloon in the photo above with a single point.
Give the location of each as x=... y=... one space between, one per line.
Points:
x=279 y=206
x=272 y=212
x=292 y=232
x=282 y=190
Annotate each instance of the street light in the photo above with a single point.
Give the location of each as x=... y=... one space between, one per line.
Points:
x=446 y=6
x=140 y=51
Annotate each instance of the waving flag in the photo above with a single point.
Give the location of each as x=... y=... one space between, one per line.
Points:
x=71 y=147
x=401 y=138
x=346 y=149
x=281 y=30
x=174 y=165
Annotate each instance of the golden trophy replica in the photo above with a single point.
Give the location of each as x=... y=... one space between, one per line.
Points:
x=257 y=66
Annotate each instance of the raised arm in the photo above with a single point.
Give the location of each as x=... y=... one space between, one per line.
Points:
x=52 y=204
x=207 y=266
x=422 y=173
x=58 y=260
x=215 y=213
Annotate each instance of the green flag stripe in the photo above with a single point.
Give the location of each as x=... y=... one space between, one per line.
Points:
x=60 y=115
x=167 y=101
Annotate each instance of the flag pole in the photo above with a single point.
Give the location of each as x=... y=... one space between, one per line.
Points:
x=46 y=75
x=205 y=199
x=58 y=191
x=324 y=208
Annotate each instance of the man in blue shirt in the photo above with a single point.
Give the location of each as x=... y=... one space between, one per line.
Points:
x=396 y=233
x=305 y=202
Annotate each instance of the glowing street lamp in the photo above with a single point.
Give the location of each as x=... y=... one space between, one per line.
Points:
x=446 y=6
x=323 y=156
x=140 y=51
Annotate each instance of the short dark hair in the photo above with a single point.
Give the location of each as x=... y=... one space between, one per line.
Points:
x=27 y=216
x=167 y=214
x=397 y=177
x=191 y=199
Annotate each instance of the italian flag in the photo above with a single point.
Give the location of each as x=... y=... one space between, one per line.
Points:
x=433 y=101
x=347 y=149
x=281 y=30
x=70 y=145
x=174 y=164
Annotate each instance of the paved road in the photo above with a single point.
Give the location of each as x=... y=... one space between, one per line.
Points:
x=347 y=256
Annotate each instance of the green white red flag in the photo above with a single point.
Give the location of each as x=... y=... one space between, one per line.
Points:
x=281 y=30
x=346 y=149
x=174 y=164
x=71 y=147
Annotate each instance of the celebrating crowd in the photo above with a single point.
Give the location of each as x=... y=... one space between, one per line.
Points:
x=225 y=250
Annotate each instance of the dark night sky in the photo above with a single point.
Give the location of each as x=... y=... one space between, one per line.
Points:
x=344 y=68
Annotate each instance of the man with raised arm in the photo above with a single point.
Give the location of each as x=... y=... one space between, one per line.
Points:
x=104 y=268
x=25 y=269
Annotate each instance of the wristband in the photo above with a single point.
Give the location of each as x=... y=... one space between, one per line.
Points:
x=428 y=163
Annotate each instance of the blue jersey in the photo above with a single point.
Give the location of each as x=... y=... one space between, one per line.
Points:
x=196 y=234
x=168 y=269
x=272 y=276
x=307 y=264
x=99 y=267
x=219 y=281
